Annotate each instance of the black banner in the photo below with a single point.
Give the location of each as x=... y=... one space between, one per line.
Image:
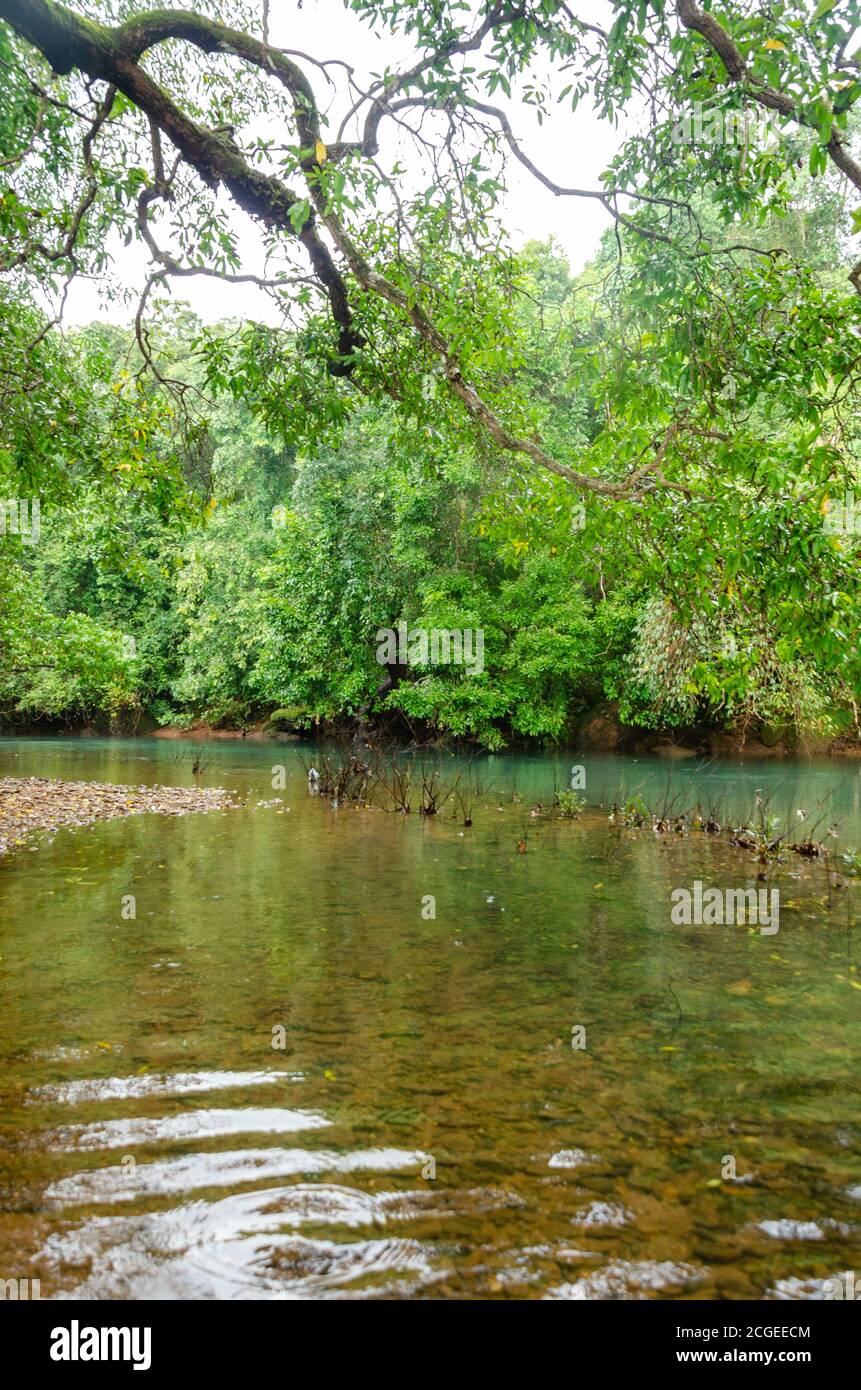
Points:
x=67 y=1338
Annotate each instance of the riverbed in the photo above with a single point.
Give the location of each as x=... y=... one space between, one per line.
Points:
x=290 y=1051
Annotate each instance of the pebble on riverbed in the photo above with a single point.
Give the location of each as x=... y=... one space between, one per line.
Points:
x=29 y=804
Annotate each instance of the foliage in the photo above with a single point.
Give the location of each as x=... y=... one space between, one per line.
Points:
x=618 y=479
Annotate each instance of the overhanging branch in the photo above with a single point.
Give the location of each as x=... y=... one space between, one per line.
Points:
x=113 y=55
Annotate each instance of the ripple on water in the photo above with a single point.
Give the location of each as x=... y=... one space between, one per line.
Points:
x=624 y=1280
x=159 y=1084
x=194 y=1124
x=802 y=1230
x=245 y=1245
x=175 y=1175
x=807 y=1290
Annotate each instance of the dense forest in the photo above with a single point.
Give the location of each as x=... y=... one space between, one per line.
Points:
x=638 y=514
x=430 y=542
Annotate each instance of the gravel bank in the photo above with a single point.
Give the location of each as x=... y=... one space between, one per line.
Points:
x=30 y=804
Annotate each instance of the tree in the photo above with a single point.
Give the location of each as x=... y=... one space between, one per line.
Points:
x=423 y=270
x=662 y=435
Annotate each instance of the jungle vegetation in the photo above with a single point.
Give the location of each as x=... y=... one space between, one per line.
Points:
x=621 y=474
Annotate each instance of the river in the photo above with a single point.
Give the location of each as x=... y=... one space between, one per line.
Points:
x=291 y=1051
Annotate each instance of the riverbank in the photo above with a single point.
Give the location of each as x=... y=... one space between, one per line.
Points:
x=32 y=804
x=598 y=730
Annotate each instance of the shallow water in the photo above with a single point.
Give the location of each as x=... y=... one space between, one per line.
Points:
x=427 y=1129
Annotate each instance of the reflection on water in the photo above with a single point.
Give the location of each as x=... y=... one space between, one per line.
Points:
x=175 y=1083
x=196 y=1124
x=156 y=1141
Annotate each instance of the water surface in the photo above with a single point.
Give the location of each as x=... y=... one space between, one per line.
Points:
x=426 y=1129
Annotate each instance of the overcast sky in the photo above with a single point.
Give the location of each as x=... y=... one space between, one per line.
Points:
x=573 y=148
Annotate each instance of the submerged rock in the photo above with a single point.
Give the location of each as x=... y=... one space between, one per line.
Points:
x=602 y=1214
x=623 y=1280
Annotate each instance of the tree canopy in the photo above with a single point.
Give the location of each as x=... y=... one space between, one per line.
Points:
x=650 y=444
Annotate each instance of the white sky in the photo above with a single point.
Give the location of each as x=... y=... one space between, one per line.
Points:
x=572 y=148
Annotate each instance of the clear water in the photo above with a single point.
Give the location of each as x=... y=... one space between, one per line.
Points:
x=427 y=1129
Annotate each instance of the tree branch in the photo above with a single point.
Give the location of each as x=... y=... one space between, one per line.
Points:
x=112 y=55
x=68 y=42
x=704 y=24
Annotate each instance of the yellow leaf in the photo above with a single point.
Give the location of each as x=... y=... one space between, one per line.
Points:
x=320 y=152
x=775 y=43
